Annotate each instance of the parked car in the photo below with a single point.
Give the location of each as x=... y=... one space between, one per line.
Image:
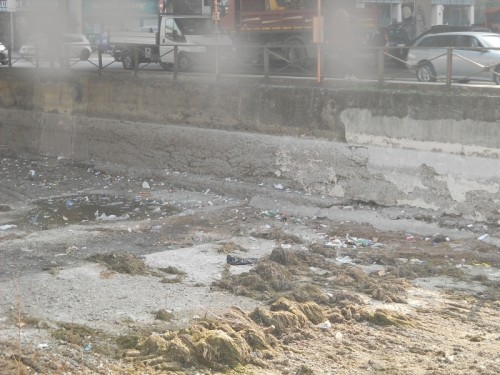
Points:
x=4 y=54
x=437 y=29
x=476 y=56
x=73 y=46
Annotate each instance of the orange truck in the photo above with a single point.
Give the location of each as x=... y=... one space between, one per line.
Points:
x=293 y=26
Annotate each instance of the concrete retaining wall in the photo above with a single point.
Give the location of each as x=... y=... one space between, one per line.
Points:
x=429 y=149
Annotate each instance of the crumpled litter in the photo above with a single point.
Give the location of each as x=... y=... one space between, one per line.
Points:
x=237 y=261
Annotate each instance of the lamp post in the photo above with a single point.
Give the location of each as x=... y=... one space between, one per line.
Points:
x=11 y=8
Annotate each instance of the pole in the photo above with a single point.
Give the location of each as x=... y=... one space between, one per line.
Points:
x=11 y=8
x=318 y=57
x=11 y=31
x=216 y=20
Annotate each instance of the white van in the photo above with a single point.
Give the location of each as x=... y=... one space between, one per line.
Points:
x=194 y=36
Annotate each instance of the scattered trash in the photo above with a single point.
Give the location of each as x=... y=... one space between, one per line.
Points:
x=43 y=346
x=325 y=326
x=237 y=261
x=104 y=217
x=206 y=191
x=69 y=203
x=32 y=174
x=339 y=336
x=344 y=260
x=416 y=261
x=87 y=347
x=438 y=238
x=483 y=237
x=270 y=213
x=7 y=226
x=145 y=185
x=278 y=186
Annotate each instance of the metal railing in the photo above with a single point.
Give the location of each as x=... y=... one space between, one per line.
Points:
x=373 y=64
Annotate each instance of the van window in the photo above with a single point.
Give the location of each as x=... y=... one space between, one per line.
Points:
x=172 y=32
x=195 y=26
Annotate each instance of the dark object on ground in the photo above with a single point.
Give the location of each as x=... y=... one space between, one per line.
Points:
x=237 y=261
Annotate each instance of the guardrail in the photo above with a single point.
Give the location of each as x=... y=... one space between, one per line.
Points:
x=377 y=64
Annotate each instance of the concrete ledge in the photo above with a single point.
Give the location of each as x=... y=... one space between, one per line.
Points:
x=431 y=151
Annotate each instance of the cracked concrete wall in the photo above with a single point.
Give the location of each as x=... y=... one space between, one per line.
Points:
x=438 y=152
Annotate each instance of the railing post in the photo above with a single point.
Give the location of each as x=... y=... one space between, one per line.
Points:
x=99 y=56
x=381 y=67
x=449 y=67
x=37 y=55
x=176 y=61
x=217 y=52
x=10 y=55
x=136 y=60
x=266 y=63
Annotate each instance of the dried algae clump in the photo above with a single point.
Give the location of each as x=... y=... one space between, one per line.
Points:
x=283 y=321
x=281 y=256
x=311 y=310
x=279 y=235
x=382 y=317
x=154 y=344
x=216 y=346
x=227 y=342
x=310 y=292
x=122 y=263
x=276 y=275
x=286 y=315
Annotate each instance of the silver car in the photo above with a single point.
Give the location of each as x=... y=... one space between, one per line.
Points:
x=475 y=56
x=72 y=46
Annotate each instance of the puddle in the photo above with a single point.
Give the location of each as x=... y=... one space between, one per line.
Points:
x=56 y=212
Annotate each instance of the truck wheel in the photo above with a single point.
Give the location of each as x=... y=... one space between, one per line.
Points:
x=255 y=56
x=128 y=61
x=184 y=62
x=296 y=52
x=84 y=55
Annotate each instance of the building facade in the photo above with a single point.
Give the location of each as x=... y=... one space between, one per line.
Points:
x=93 y=17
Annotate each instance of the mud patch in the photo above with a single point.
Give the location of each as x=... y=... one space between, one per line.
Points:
x=57 y=212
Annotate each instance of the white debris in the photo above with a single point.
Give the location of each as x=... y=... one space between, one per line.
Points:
x=325 y=326
x=7 y=226
x=483 y=237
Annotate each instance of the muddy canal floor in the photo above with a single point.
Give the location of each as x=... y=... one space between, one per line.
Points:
x=175 y=274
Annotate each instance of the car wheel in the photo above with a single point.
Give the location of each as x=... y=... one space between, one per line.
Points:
x=296 y=53
x=84 y=55
x=184 y=63
x=426 y=72
x=128 y=61
x=496 y=75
